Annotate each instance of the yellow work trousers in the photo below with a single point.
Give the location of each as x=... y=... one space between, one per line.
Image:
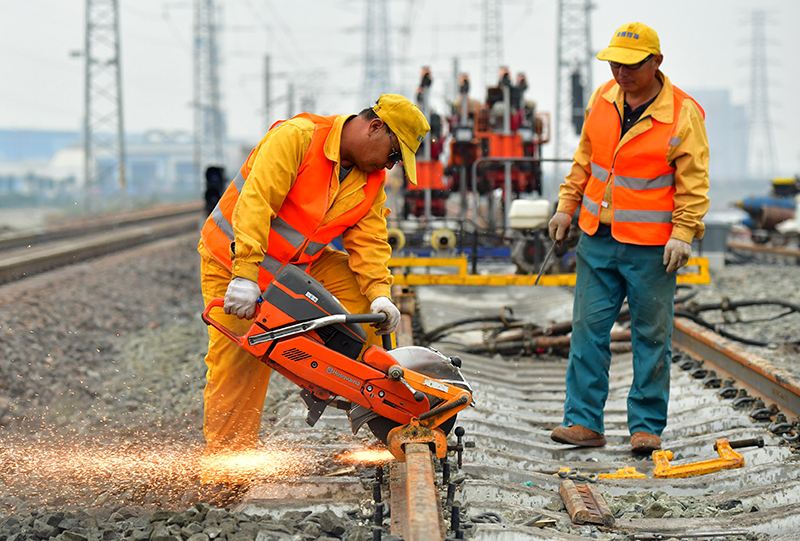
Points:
x=236 y=382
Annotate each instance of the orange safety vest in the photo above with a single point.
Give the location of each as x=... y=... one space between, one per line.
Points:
x=297 y=234
x=643 y=182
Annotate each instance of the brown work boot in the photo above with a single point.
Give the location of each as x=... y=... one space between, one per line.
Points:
x=577 y=435
x=644 y=443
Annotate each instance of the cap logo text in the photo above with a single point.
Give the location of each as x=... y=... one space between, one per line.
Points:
x=627 y=35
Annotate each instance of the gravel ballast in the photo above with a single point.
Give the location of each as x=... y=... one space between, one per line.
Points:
x=101 y=410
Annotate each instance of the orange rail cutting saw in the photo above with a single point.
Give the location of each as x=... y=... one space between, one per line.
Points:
x=302 y=331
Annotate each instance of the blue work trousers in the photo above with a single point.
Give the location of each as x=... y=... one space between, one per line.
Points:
x=607 y=272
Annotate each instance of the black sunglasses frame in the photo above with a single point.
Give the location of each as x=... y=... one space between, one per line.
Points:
x=394 y=155
x=632 y=67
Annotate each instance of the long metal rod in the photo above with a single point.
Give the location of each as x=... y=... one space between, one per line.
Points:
x=750 y=372
x=422 y=518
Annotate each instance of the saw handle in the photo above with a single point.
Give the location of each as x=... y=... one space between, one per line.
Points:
x=372 y=318
x=220 y=303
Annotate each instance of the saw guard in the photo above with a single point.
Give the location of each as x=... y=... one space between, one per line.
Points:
x=414 y=432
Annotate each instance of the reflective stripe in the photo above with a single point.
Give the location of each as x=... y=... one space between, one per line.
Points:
x=238 y=181
x=294 y=237
x=314 y=247
x=270 y=264
x=644 y=216
x=590 y=205
x=599 y=172
x=633 y=183
x=222 y=222
x=273 y=266
x=289 y=233
x=674 y=141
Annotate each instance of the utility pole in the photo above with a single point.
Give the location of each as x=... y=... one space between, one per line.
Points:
x=574 y=56
x=290 y=108
x=762 y=158
x=267 y=91
x=492 y=51
x=377 y=60
x=209 y=122
x=103 y=127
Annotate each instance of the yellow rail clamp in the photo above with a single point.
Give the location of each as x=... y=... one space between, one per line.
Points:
x=628 y=472
x=728 y=459
x=696 y=272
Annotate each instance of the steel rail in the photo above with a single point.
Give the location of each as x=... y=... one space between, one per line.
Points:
x=762 y=251
x=416 y=514
x=25 y=263
x=98 y=224
x=755 y=374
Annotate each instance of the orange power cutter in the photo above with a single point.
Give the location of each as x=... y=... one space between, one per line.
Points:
x=407 y=394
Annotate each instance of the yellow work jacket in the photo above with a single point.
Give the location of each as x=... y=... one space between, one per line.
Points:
x=271 y=171
x=686 y=151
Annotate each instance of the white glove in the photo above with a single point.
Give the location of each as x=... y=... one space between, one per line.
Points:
x=382 y=305
x=676 y=254
x=559 y=225
x=241 y=297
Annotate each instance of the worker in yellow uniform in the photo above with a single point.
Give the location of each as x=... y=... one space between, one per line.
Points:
x=310 y=180
x=640 y=178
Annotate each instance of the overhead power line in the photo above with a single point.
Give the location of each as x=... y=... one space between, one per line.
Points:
x=103 y=127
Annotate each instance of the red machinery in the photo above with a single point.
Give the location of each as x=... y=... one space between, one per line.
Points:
x=428 y=197
x=302 y=332
x=503 y=135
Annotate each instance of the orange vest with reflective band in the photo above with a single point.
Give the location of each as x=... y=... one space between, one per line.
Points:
x=643 y=182
x=297 y=234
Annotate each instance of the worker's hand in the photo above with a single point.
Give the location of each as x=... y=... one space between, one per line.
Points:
x=382 y=305
x=559 y=226
x=676 y=254
x=241 y=297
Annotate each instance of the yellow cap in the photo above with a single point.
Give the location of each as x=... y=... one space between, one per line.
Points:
x=409 y=125
x=632 y=43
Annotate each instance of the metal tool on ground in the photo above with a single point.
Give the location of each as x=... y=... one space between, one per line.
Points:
x=576 y=475
x=300 y=330
x=659 y=536
x=628 y=472
x=585 y=504
x=728 y=459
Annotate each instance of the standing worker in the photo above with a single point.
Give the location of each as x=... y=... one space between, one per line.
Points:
x=640 y=176
x=310 y=180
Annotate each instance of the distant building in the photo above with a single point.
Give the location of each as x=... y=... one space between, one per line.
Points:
x=726 y=124
x=49 y=164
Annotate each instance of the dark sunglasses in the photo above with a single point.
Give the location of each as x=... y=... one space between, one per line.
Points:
x=633 y=67
x=394 y=155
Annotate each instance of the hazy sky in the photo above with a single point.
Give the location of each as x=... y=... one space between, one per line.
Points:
x=319 y=45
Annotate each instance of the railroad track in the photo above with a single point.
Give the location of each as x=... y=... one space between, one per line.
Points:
x=29 y=253
x=766 y=254
x=507 y=486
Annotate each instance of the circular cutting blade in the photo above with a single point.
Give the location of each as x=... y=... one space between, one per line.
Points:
x=425 y=361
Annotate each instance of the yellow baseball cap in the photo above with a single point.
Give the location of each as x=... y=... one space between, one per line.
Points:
x=631 y=43
x=409 y=125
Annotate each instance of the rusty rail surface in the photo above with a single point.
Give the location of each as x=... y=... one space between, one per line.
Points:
x=416 y=514
x=755 y=374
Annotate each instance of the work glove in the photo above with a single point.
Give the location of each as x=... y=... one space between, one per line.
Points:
x=559 y=226
x=676 y=254
x=382 y=305
x=241 y=297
